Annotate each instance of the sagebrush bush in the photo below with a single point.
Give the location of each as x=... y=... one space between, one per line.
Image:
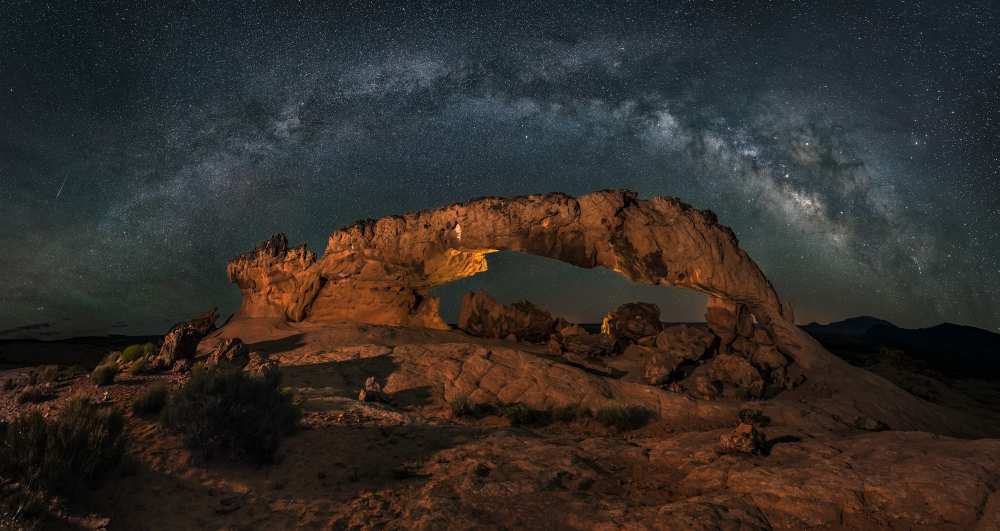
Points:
x=35 y=394
x=104 y=374
x=462 y=407
x=520 y=414
x=62 y=455
x=569 y=413
x=152 y=400
x=134 y=352
x=622 y=417
x=226 y=410
x=48 y=373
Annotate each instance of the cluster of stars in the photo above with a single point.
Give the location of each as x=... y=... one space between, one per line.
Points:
x=854 y=153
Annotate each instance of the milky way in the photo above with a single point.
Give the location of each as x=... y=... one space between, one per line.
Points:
x=854 y=152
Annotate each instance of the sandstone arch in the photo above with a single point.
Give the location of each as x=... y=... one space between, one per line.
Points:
x=379 y=271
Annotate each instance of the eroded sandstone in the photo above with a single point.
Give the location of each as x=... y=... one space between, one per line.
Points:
x=380 y=271
x=482 y=316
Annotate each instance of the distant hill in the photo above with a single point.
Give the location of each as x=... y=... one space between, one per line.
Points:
x=955 y=350
x=86 y=351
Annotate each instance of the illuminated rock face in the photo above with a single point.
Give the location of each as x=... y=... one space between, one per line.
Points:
x=379 y=271
x=275 y=280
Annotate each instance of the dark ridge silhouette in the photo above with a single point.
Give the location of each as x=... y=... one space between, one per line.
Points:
x=954 y=350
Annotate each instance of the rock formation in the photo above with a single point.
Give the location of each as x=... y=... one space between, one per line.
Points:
x=379 y=271
x=745 y=439
x=632 y=321
x=582 y=343
x=482 y=316
x=231 y=352
x=181 y=342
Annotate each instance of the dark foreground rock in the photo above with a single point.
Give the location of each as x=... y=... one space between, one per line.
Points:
x=181 y=342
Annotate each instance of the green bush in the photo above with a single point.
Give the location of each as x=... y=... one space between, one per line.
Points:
x=134 y=352
x=520 y=414
x=60 y=456
x=104 y=375
x=224 y=409
x=144 y=366
x=623 y=418
x=151 y=401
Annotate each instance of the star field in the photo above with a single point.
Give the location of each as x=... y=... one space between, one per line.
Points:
x=853 y=148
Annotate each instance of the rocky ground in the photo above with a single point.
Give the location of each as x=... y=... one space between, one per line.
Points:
x=843 y=449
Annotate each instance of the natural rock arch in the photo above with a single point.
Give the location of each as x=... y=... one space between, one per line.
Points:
x=379 y=271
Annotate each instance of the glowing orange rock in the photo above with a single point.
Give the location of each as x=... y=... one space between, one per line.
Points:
x=379 y=271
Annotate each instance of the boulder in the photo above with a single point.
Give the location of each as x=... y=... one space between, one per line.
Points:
x=571 y=330
x=761 y=336
x=182 y=340
x=720 y=315
x=745 y=439
x=555 y=345
x=178 y=344
x=737 y=372
x=203 y=324
x=588 y=345
x=231 y=352
x=729 y=320
x=706 y=388
x=686 y=342
x=768 y=357
x=741 y=346
x=646 y=341
x=632 y=321
x=660 y=367
x=482 y=316
x=182 y=365
x=258 y=364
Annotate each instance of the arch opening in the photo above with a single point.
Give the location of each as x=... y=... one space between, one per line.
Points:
x=576 y=294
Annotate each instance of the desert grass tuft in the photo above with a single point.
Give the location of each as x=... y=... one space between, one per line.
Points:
x=522 y=415
x=104 y=375
x=151 y=401
x=623 y=418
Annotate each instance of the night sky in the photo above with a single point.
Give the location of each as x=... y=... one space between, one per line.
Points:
x=854 y=150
